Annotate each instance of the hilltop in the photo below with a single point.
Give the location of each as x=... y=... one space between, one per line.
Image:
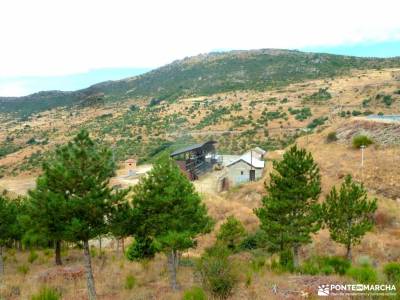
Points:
x=205 y=75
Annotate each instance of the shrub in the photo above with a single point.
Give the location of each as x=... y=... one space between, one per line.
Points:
x=231 y=233
x=317 y=122
x=141 y=249
x=257 y=263
x=387 y=99
x=48 y=252
x=130 y=282
x=321 y=95
x=361 y=140
x=392 y=272
x=368 y=112
x=331 y=137
x=195 y=293
x=276 y=267
x=47 y=293
x=325 y=265
x=217 y=272
x=93 y=252
x=254 y=240
x=363 y=274
x=23 y=269
x=286 y=260
x=32 y=256
x=340 y=265
x=327 y=270
x=356 y=113
x=309 y=267
x=366 y=102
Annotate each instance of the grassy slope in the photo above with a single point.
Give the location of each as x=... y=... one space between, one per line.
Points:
x=206 y=75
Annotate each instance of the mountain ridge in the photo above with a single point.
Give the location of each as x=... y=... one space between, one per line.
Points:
x=203 y=75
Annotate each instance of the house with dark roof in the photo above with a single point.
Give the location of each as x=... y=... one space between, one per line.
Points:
x=196 y=159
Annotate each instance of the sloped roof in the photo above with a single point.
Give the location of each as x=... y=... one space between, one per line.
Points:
x=252 y=161
x=259 y=150
x=191 y=148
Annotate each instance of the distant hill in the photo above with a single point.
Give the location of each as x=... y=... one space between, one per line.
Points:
x=205 y=74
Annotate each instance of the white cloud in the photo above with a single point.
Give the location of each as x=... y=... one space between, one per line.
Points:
x=47 y=37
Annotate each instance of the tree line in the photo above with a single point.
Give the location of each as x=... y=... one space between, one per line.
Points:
x=73 y=202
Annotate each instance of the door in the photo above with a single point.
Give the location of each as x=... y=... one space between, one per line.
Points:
x=252 y=175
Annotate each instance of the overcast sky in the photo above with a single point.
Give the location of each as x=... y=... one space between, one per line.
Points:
x=47 y=38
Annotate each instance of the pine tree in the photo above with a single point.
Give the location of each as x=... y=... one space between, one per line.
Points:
x=8 y=219
x=289 y=212
x=120 y=221
x=48 y=210
x=168 y=210
x=348 y=214
x=77 y=179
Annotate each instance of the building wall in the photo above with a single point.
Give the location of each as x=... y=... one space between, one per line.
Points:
x=240 y=173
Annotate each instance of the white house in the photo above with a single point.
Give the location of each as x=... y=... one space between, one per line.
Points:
x=247 y=167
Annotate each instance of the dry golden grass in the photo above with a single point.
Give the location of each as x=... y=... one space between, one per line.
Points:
x=111 y=270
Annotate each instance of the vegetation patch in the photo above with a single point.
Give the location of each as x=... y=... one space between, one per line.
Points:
x=361 y=140
x=301 y=114
x=321 y=95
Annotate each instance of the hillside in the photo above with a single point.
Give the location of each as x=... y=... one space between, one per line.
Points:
x=271 y=117
x=236 y=120
x=205 y=74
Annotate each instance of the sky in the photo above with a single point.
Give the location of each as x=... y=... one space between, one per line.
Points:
x=70 y=44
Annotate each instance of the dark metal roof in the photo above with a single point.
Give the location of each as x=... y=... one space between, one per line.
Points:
x=191 y=148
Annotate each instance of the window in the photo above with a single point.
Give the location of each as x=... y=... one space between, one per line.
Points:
x=241 y=172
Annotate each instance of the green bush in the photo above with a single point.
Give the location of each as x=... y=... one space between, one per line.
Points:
x=321 y=95
x=47 y=293
x=195 y=293
x=363 y=274
x=257 y=263
x=361 y=140
x=340 y=265
x=327 y=270
x=217 y=272
x=93 y=252
x=254 y=240
x=231 y=233
x=331 y=137
x=141 y=249
x=276 y=267
x=309 y=267
x=325 y=265
x=286 y=260
x=387 y=99
x=33 y=256
x=130 y=282
x=23 y=269
x=392 y=272
x=317 y=122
